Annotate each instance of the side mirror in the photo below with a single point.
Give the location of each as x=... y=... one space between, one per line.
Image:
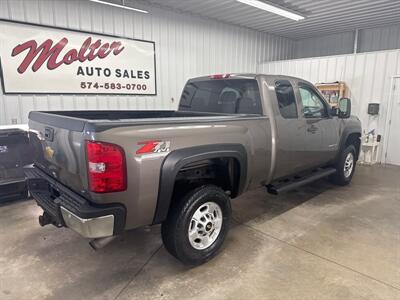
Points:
x=344 y=108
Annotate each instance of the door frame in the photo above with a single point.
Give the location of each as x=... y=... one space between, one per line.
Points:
x=383 y=155
x=324 y=150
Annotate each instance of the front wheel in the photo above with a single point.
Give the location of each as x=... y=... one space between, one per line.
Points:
x=345 y=166
x=197 y=225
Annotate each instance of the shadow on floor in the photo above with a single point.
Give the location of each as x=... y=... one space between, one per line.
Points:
x=256 y=203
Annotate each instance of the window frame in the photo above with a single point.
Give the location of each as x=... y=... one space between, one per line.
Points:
x=322 y=99
x=294 y=95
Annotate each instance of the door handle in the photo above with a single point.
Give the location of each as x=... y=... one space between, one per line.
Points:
x=312 y=129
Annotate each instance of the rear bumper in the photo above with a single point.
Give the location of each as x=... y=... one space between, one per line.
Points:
x=64 y=207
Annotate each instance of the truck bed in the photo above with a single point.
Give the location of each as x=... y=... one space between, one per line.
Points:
x=98 y=120
x=126 y=114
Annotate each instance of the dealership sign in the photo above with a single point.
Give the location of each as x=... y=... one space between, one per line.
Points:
x=40 y=59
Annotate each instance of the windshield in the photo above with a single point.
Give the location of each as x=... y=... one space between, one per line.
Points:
x=230 y=96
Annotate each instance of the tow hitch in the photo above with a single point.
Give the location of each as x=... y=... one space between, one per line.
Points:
x=46 y=219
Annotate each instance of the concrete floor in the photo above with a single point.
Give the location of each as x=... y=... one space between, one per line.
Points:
x=319 y=242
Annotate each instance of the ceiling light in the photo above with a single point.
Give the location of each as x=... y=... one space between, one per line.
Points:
x=120 y=6
x=273 y=9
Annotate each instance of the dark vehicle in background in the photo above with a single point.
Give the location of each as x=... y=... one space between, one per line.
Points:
x=103 y=172
x=15 y=153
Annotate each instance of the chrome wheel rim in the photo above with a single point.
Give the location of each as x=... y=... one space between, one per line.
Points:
x=205 y=225
x=348 y=165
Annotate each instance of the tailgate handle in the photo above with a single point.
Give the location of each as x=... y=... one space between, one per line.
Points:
x=49 y=134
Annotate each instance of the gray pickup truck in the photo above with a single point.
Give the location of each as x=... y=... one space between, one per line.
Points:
x=103 y=172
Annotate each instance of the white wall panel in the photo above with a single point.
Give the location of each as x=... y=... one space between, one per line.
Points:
x=367 y=76
x=186 y=46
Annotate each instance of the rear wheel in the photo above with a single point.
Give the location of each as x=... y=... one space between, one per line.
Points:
x=345 y=166
x=197 y=225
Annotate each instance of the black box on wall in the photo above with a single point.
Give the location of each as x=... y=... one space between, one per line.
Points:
x=373 y=108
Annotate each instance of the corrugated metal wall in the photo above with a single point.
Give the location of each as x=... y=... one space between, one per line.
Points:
x=369 y=39
x=381 y=38
x=340 y=43
x=186 y=46
x=367 y=76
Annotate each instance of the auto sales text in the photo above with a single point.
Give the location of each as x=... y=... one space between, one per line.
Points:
x=107 y=72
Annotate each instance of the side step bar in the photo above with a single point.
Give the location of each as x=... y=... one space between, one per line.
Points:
x=287 y=185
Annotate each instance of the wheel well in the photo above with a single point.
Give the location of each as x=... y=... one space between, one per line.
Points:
x=354 y=139
x=223 y=172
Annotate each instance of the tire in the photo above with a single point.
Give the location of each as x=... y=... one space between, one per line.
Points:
x=343 y=176
x=208 y=202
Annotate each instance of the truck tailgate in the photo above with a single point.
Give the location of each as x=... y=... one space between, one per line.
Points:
x=60 y=153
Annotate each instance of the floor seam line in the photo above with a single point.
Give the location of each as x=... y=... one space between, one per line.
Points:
x=138 y=272
x=316 y=255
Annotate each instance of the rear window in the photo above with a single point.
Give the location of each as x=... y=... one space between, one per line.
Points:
x=232 y=96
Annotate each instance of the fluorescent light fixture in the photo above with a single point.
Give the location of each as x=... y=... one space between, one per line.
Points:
x=120 y=6
x=273 y=9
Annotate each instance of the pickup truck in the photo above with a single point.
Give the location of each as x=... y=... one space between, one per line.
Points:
x=104 y=172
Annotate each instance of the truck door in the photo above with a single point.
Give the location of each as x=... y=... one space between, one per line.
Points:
x=290 y=131
x=320 y=143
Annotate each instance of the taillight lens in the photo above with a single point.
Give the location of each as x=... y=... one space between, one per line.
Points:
x=106 y=167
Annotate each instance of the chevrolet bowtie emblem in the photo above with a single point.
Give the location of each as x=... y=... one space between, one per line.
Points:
x=49 y=152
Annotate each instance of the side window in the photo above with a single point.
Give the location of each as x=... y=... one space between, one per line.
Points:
x=286 y=100
x=313 y=106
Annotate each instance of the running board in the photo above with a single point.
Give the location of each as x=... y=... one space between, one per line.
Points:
x=287 y=185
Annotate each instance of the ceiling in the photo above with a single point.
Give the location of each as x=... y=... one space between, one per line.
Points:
x=322 y=16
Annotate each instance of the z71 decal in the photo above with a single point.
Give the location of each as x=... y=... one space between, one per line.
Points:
x=153 y=147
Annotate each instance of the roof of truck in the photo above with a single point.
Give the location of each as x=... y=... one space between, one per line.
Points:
x=243 y=75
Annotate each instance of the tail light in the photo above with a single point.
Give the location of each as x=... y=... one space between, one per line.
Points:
x=106 y=167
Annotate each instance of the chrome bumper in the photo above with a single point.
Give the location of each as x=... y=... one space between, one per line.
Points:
x=64 y=207
x=90 y=228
